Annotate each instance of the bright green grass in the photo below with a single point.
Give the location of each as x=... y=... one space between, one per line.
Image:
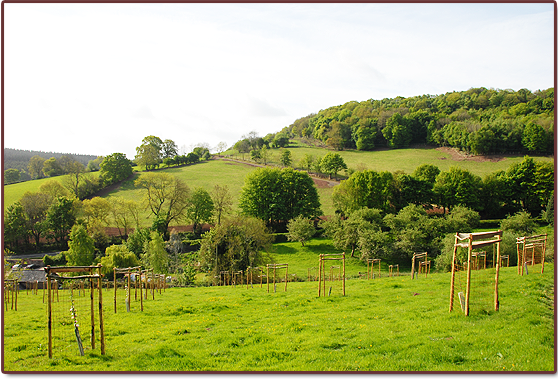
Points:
x=398 y=159
x=14 y=192
x=387 y=324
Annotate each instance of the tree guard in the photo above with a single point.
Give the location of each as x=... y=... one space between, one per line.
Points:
x=322 y=272
x=275 y=267
x=370 y=268
x=418 y=257
x=530 y=251
x=472 y=241
x=94 y=277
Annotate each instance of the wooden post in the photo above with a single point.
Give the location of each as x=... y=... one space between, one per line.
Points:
x=452 y=285
x=469 y=253
x=267 y=277
x=320 y=276
x=101 y=321
x=343 y=273
x=49 y=311
x=496 y=299
x=286 y=278
x=115 y=286
x=92 y=313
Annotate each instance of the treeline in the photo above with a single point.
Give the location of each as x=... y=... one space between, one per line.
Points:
x=19 y=159
x=478 y=121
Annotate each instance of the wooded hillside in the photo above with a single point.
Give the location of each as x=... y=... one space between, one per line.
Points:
x=479 y=121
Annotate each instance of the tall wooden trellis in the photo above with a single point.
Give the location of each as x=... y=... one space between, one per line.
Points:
x=94 y=278
x=472 y=241
x=322 y=270
x=127 y=272
x=275 y=267
x=530 y=252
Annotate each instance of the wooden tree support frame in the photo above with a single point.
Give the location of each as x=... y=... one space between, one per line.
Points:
x=127 y=272
x=322 y=273
x=422 y=259
x=530 y=251
x=391 y=268
x=145 y=276
x=275 y=267
x=505 y=257
x=11 y=289
x=471 y=241
x=370 y=268
x=94 y=275
x=250 y=275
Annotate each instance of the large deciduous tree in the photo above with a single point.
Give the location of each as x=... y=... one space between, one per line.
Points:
x=458 y=187
x=149 y=153
x=367 y=188
x=200 y=209
x=35 y=167
x=35 y=206
x=332 y=163
x=166 y=196
x=222 y=201
x=273 y=195
x=116 y=167
x=61 y=217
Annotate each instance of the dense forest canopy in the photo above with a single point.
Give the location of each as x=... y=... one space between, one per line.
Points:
x=478 y=121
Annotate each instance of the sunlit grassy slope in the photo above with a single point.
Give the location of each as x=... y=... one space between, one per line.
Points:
x=207 y=174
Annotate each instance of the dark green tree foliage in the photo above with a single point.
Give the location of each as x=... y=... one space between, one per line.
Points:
x=15 y=226
x=458 y=187
x=366 y=188
x=60 y=219
x=200 y=209
x=11 y=176
x=116 y=167
x=35 y=206
x=275 y=195
x=236 y=244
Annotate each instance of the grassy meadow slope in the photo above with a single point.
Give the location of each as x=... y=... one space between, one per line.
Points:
x=231 y=173
x=387 y=324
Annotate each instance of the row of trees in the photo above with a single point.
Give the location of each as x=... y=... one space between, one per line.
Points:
x=479 y=120
x=153 y=152
x=525 y=186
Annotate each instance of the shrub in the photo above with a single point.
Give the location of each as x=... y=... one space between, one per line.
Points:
x=520 y=224
x=55 y=261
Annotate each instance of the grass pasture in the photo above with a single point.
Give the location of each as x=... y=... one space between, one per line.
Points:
x=387 y=324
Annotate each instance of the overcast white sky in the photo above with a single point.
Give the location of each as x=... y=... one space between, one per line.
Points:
x=98 y=78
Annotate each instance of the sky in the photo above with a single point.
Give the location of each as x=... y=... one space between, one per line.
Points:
x=98 y=78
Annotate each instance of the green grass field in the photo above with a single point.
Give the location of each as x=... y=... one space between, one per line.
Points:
x=385 y=324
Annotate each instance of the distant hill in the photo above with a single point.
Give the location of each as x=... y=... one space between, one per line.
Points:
x=19 y=158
